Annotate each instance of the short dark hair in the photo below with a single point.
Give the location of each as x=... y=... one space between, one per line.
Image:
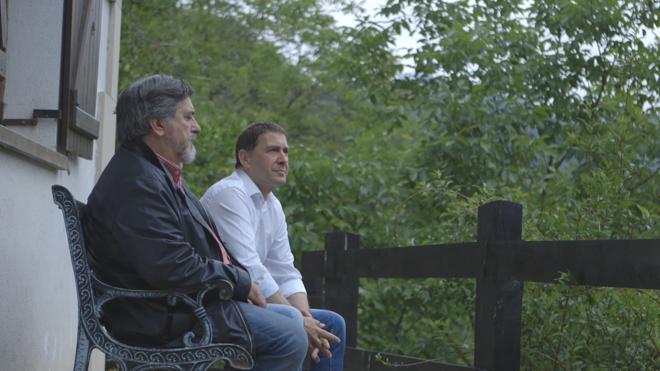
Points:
x=155 y=96
x=247 y=140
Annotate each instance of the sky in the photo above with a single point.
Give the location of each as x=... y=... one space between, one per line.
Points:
x=406 y=40
x=371 y=7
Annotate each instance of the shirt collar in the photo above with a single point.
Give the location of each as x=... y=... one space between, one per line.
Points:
x=174 y=169
x=252 y=189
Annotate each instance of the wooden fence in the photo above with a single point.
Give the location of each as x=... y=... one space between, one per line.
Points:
x=500 y=262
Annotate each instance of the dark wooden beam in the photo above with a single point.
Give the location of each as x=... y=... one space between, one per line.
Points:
x=341 y=280
x=458 y=260
x=312 y=270
x=498 y=302
x=610 y=263
x=607 y=263
x=446 y=261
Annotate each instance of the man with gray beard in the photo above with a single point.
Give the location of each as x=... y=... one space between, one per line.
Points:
x=146 y=230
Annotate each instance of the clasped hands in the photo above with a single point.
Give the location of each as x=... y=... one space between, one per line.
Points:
x=318 y=338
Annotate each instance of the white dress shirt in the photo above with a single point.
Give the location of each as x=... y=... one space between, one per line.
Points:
x=254 y=230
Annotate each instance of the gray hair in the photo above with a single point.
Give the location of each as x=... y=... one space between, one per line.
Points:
x=155 y=96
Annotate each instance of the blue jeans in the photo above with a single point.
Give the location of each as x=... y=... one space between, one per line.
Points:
x=334 y=323
x=280 y=342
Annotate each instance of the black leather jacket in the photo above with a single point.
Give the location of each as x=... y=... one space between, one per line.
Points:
x=145 y=233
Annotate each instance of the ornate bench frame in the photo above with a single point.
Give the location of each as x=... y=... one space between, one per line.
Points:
x=93 y=294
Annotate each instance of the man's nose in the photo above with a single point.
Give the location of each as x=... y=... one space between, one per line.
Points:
x=196 y=128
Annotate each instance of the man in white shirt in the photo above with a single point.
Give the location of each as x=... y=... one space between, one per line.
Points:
x=253 y=227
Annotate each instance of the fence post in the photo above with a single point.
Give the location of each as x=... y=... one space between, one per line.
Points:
x=312 y=269
x=498 y=303
x=341 y=281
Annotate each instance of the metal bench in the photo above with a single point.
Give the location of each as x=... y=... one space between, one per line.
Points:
x=196 y=355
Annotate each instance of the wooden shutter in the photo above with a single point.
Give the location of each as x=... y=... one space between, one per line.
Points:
x=3 y=25
x=3 y=54
x=80 y=60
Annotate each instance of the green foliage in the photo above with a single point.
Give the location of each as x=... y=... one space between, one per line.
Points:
x=443 y=333
x=567 y=328
x=552 y=104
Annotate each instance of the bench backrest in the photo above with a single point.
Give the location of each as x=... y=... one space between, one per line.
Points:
x=71 y=208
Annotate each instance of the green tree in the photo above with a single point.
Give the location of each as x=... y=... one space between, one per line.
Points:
x=553 y=104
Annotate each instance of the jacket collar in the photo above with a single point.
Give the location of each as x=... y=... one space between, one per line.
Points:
x=140 y=148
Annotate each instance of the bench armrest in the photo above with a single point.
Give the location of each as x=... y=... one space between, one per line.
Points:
x=193 y=299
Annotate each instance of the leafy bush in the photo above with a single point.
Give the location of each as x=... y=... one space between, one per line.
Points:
x=552 y=104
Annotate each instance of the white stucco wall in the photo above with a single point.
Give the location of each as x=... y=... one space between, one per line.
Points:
x=38 y=312
x=38 y=309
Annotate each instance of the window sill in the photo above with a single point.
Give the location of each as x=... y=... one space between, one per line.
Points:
x=33 y=150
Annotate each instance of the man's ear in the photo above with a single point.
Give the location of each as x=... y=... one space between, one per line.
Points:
x=244 y=158
x=157 y=126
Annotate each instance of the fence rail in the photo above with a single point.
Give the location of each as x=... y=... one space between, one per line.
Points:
x=500 y=262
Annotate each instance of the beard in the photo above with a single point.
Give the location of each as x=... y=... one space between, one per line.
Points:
x=188 y=154
x=185 y=149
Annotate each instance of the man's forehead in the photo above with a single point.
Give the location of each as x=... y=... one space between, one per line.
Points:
x=186 y=106
x=272 y=138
